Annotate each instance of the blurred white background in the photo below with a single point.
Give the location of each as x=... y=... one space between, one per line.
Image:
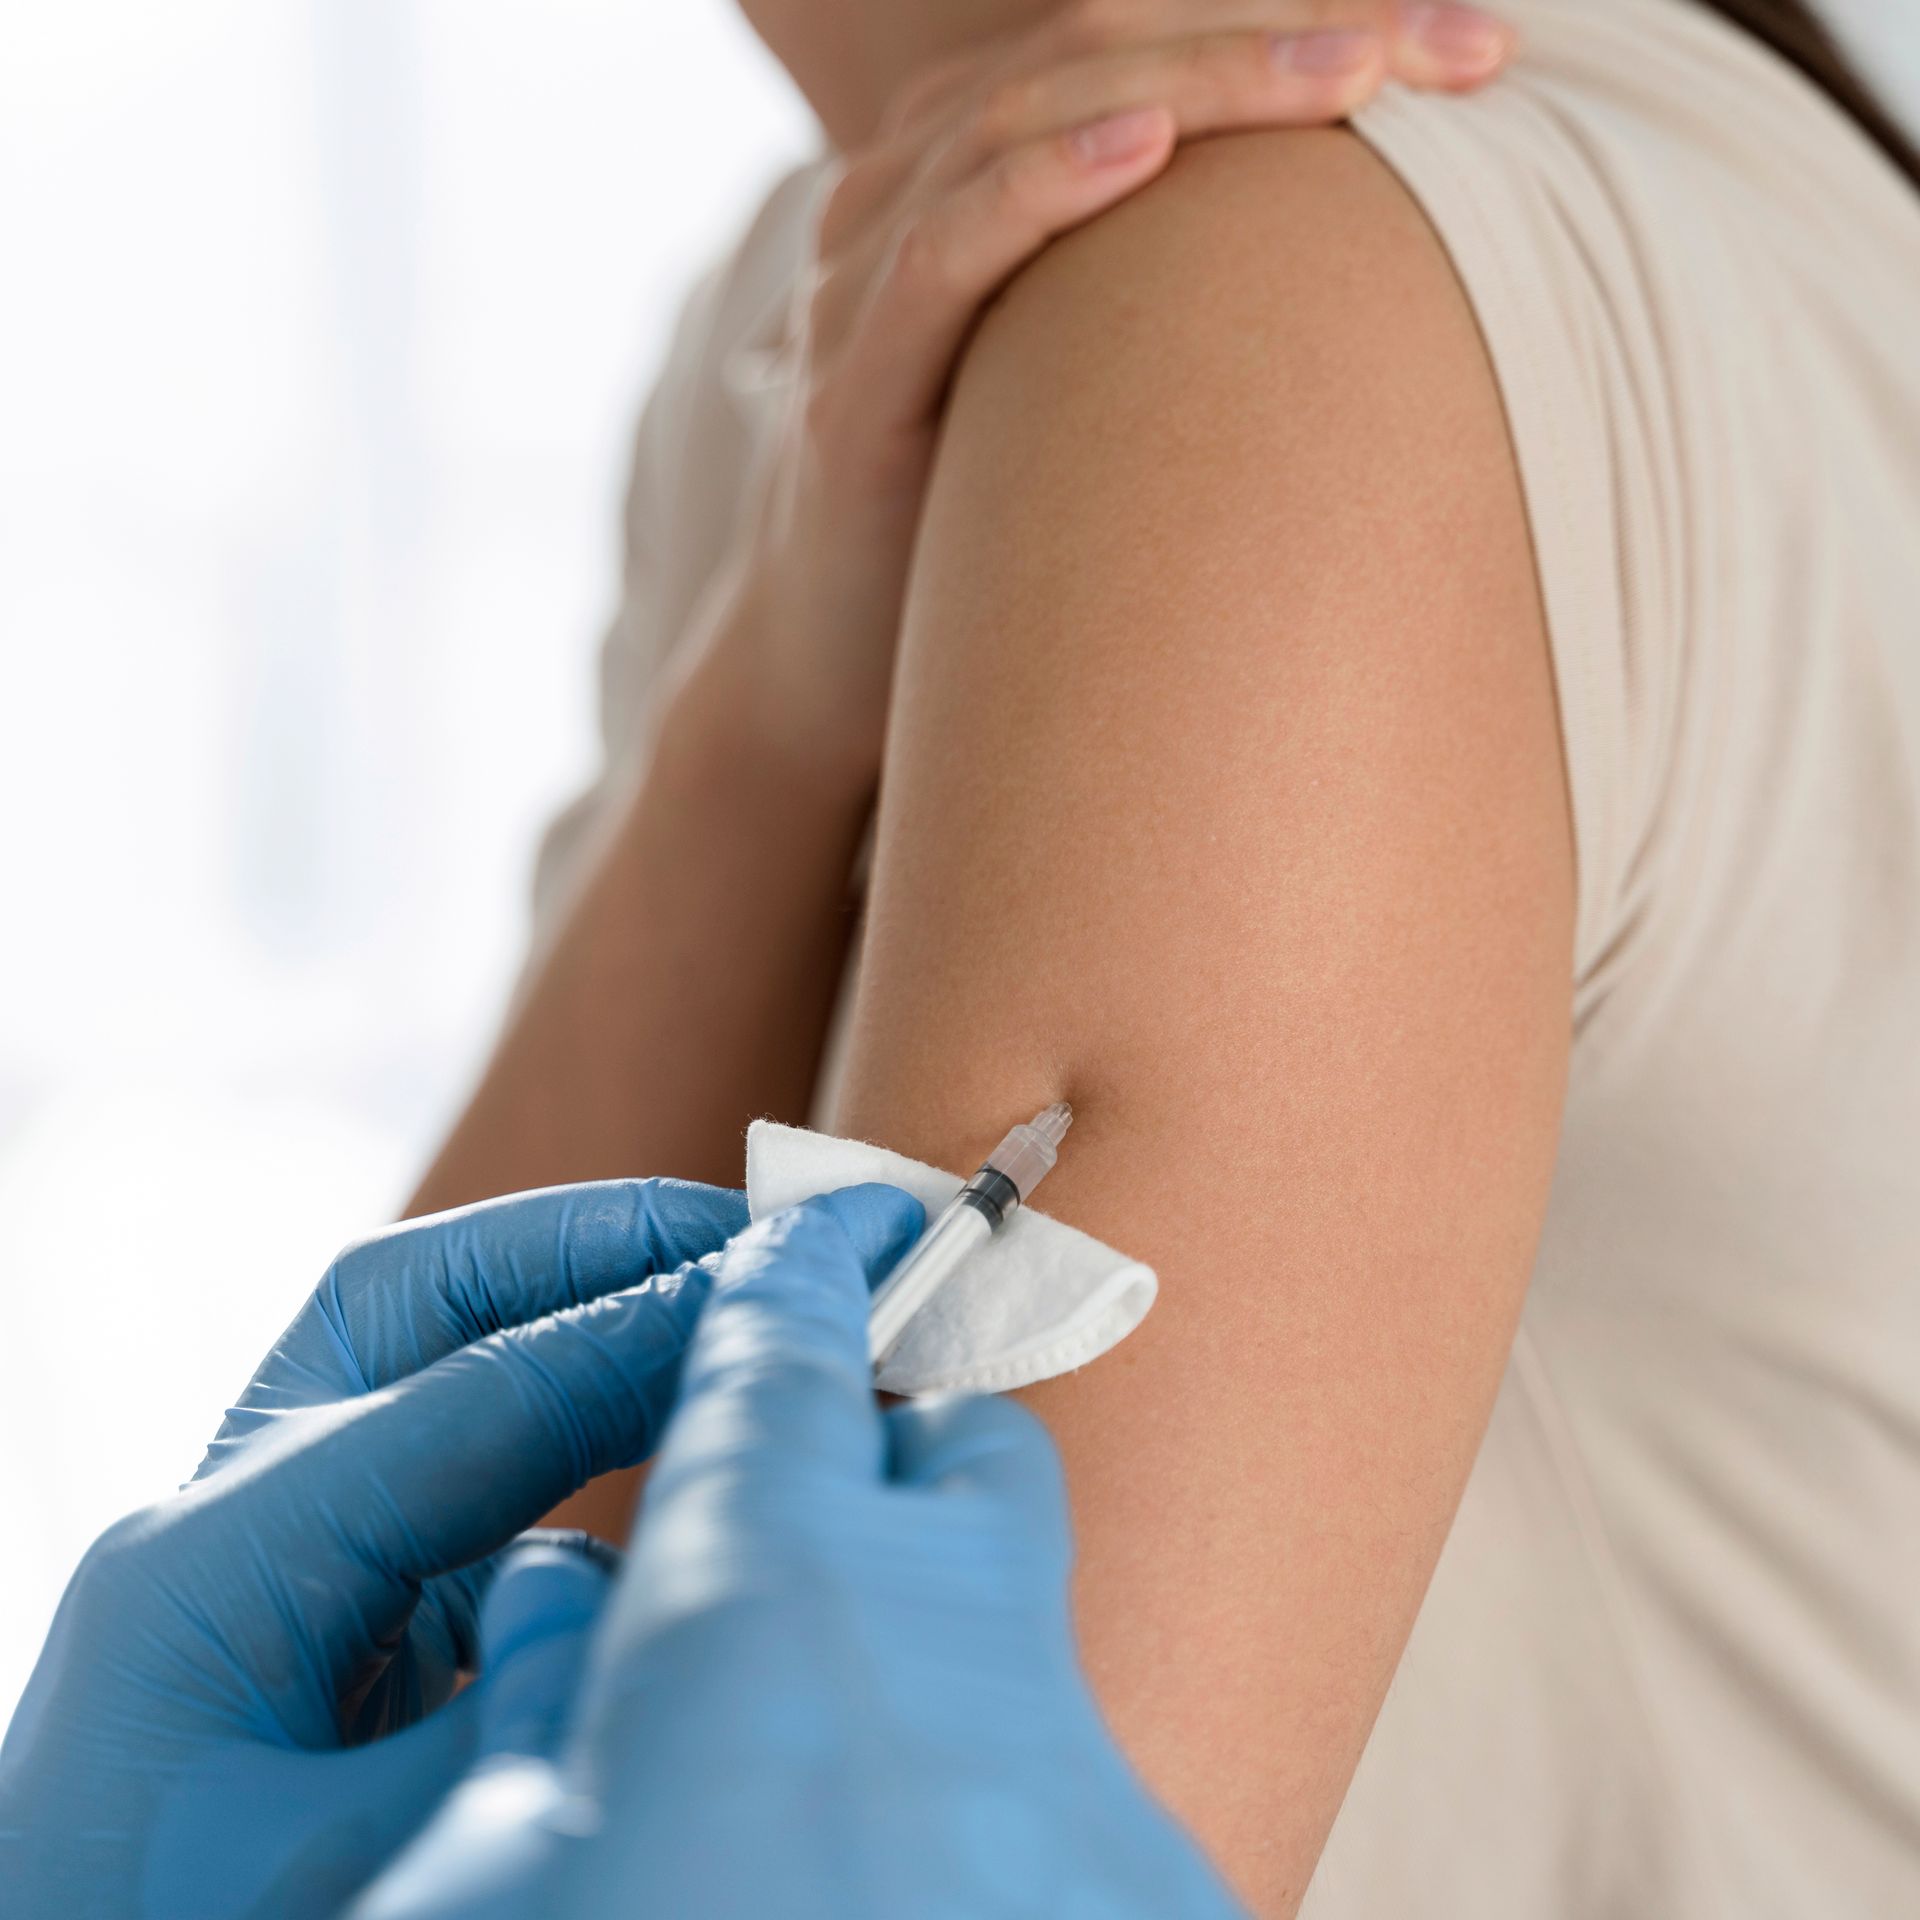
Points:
x=322 y=328
x=322 y=325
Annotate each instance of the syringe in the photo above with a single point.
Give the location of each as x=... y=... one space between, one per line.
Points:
x=1006 y=1179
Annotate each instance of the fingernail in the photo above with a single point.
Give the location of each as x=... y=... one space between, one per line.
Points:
x=1121 y=136
x=1456 y=36
x=1335 y=50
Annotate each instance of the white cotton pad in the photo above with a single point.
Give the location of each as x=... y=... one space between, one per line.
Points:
x=1039 y=1298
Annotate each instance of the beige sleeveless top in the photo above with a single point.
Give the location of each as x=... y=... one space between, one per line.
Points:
x=1670 y=1662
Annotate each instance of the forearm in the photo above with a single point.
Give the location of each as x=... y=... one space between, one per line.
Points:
x=690 y=985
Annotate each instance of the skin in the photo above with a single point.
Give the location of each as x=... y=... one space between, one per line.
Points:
x=1222 y=506
x=849 y=56
x=689 y=982
x=1273 y=730
x=692 y=977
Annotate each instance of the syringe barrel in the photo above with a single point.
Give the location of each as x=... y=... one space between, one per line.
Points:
x=921 y=1274
x=1005 y=1181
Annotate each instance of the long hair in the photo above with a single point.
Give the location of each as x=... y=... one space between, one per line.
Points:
x=1791 y=29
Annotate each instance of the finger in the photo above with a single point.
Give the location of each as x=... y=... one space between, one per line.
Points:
x=443 y=1468
x=1082 y=27
x=405 y=1298
x=1448 y=47
x=974 y=235
x=1450 y=42
x=535 y=1630
x=778 y=1378
x=1093 y=24
x=1210 y=83
x=442 y=1643
x=989 y=1450
x=945 y=268
x=1083 y=24
x=1091 y=60
x=443 y=1639
x=1278 y=72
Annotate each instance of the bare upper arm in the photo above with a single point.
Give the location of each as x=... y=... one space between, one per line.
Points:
x=1223 y=797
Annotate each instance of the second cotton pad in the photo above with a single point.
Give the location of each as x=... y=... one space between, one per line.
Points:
x=1040 y=1298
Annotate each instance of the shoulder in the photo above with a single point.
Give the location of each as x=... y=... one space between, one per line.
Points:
x=1232 y=209
x=1270 y=334
x=1261 y=270
x=1229 y=470
x=1258 y=377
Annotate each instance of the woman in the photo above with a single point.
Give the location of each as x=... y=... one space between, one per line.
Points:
x=1431 y=605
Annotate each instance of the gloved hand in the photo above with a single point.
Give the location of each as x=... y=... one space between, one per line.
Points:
x=185 y=1745
x=837 y=1676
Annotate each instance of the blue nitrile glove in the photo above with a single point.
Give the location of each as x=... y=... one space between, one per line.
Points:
x=836 y=1678
x=183 y=1750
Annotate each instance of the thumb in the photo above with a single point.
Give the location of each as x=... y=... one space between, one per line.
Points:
x=995 y=1454
x=396 y=1303
x=778 y=1376
x=375 y=1497
x=446 y=1638
x=535 y=1629
x=358 y=1808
